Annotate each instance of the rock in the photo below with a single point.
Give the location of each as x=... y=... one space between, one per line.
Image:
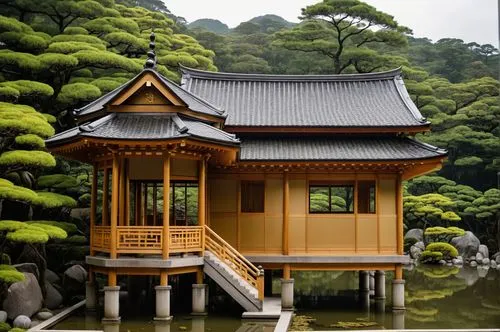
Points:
x=497 y=259
x=449 y=264
x=28 y=268
x=74 y=279
x=52 y=277
x=486 y=261
x=34 y=323
x=22 y=322
x=493 y=264
x=468 y=275
x=420 y=245
x=442 y=262
x=473 y=264
x=482 y=271
x=415 y=252
x=80 y=213
x=472 y=258
x=44 y=315
x=456 y=261
x=415 y=233
x=495 y=255
x=3 y=316
x=53 y=298
x=483 y=250
x=467 y=244
x=23 y=298
x=479 y=258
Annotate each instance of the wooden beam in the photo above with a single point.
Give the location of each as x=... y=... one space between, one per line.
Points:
x=138 y=203
x=286 y=212
x=166 y=204
x=114 y=205
x=93 y=204
x=399 y=214
x=105 y=197
x=377 y=210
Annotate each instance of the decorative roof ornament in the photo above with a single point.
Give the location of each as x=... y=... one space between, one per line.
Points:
x=151 y=61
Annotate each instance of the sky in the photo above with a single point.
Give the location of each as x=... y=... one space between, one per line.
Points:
x=470 y=20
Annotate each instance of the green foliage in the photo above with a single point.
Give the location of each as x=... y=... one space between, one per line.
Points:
x=4 y=326
x=23 y=119
x=58 y=181
x=17 y=193
x=30 y=140
x=11 y=225
x=442 y=234
x=53 y=200
x=27 y=159
x=76 y=239
x=408 y=242
x=28 y=235
x=447 y=250
x=69 y=228
x=9 y=277
x=431 y=256
x=17 y=329
x=76 y=93
x=53 y=232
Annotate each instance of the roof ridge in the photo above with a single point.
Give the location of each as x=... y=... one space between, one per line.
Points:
x=405 y=97
x=91 y=126
x=229 y=135
x=197 y=73
x=427 y=146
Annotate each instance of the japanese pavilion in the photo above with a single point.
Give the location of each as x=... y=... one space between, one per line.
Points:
x=230 y=175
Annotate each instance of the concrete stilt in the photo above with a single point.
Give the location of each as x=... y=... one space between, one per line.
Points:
x=206 y=296
x=398 y=294
x=163 y=303
x=199 y=299
x=398 y=320
x=287 y=294
x=111 y=304
x=90 y=300
x=111 y=326
x=198 y=324
x=364 y=300
x=364 y=281
x=379 y=285
x=371 y=281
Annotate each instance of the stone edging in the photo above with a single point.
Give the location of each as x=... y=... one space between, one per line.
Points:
x=57 y=318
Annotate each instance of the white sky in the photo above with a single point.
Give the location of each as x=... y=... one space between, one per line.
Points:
x=470 y=20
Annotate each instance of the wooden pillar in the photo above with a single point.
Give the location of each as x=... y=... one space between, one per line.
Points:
x=166 y=204
x=399 y=213
x=286 y=271
x=286 y=212
x=398 y=272
x=138 y=203
x=93 y=205
x=155 y=202
x=105 y=197
x=145 y=206
x=127 y=194
x=121 y=191
x=355 y=208
x=202 y=188
x=163 y=278
x=114 y=205
x=112 y=278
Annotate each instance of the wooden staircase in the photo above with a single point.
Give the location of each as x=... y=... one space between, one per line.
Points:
x=242 y=280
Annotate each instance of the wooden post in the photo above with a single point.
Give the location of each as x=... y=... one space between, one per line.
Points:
x=202 y=183
x=399 y=213
x=286 y=212
x=355 y=207
x=286 y=271
x=127 y=194
x=398 y=273
x=112 y=278
x=105 y=197
x=138 y=203
x=199 y=276
x=166 y=204
x=145 y=206
x=163 y=278
x=121 y=191
x=114 y=205
x=93 y=205
x=155 y=202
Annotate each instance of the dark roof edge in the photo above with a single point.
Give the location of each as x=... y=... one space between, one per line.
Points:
x=405 y=97
x=188 y=73
x=432 y=148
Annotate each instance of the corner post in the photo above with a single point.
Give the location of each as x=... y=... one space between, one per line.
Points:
x=93 y=206
x=114 y=205
x=105 y=197
x=202 y=187
x=286 y=212
x=166 y=204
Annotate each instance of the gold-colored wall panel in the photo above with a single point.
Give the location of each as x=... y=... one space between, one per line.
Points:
x=297 y=233
x=152 y=168
x=274 y=196
x=330 y=232
x=224 y=224
x=273 y=233
x=387 y=196
x=298 y=194
x=367 y=232
x=223 y=195
x=252 y=234
x=388 y=237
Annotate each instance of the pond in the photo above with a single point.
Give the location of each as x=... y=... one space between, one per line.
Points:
x=436 y=297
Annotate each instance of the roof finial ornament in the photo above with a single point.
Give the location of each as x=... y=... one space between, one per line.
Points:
x=151 y=61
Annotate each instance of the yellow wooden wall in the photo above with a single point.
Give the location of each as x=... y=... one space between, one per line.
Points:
x=152 y=169
x=259 y=233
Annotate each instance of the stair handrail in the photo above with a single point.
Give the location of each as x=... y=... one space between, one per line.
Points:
x=254 y=275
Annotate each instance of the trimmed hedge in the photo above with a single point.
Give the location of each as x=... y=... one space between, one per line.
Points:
x=442 y=234
x=437 y=251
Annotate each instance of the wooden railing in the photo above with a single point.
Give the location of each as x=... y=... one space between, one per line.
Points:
x=139 y=239
x=186 y=239
x=236 y=261
x=101 y=238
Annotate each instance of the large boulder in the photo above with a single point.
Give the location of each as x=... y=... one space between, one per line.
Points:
x=74 y=279
x=23 y=298
x=483 y=250
x=467 y=244
x=415 y=252
x=53 y=299
x=415 y=233
x=28 y=268
x=44 y=315
x=22 y=322
x=3 y=316
x=52 y=277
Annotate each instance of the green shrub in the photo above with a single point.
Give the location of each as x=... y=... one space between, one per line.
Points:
x=5 y=259
x=59 y=181
x=31 y=140
x=17 y=193
x=430 y=256
x=52 y=231
x=11 y=225
x=27 y=158
x=446 y=250
x=4 y=327
x=17 y=329
x=11 y=276
x=53 y=200
x=69 y=228
x=28 y=235
x=84 y=200
x=76 y=239
x=442 y=234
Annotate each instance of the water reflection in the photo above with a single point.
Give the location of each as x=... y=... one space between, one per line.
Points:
x=436 y=297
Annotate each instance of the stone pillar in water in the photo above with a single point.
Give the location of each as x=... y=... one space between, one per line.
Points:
x=199 y=292
x=90 y=300
x=379 y=285
x=163 y=303
x=198 y=324
x=398 y=294
x=364 y=281
x=398 y=320
x=110 y=326
x=287 y=294
x=162 y=326
x=111 y=304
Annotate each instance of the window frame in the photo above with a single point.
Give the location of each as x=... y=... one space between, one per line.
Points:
x=375 y=198
x=263 y=182
x=330 y=186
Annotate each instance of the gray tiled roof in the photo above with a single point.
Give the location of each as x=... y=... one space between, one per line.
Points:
x=140 y=126
x=357 y=100
x=335 y=148
x=193 y=102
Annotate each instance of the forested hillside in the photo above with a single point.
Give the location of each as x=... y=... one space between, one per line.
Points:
x=56 y=56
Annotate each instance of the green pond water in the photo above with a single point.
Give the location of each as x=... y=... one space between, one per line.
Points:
x=436 y=297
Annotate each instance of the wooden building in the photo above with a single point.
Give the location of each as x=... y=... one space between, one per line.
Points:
x=227 y=172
